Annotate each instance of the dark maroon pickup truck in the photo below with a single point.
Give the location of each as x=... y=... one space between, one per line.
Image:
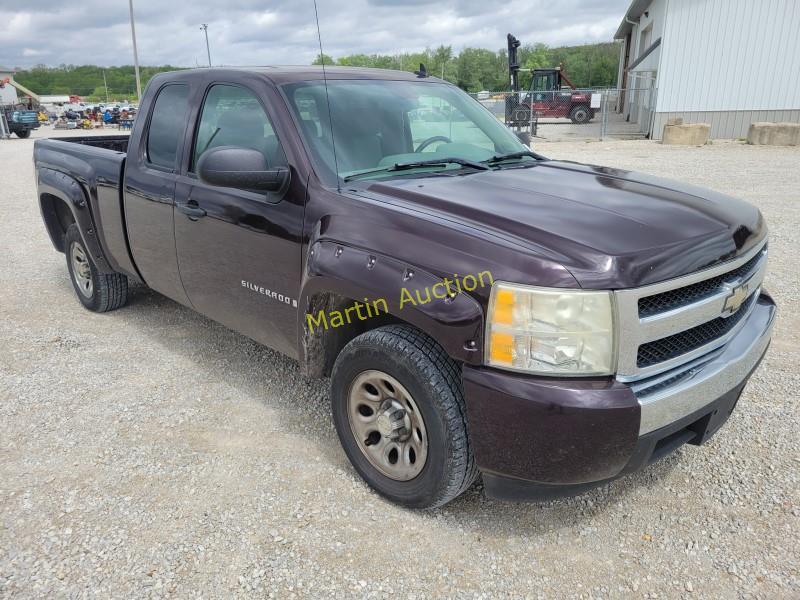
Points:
x=478 y=307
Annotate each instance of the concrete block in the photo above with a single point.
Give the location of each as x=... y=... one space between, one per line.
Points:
x=686 y=134
x=774 y=134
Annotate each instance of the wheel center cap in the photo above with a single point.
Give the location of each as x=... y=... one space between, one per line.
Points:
x=392 y=420
x=384 y=425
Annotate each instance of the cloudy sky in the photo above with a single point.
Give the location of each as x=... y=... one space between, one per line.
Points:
x=258 y=32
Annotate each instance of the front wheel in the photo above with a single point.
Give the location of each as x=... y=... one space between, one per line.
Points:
x=99 y=292
x=23 y=134
x=581 y=114
x=399 y=411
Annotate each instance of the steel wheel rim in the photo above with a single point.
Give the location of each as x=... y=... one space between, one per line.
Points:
x=81 y=270
x=387 y=425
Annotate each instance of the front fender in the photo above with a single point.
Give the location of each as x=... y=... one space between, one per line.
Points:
x=456 y=323
x=62 y=186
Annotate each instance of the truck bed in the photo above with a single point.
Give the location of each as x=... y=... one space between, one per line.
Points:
x=96 y=165
x=117 y=143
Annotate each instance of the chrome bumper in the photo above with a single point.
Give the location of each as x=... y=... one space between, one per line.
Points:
x=674 y=394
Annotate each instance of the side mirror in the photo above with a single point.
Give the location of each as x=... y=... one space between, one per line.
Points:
x=240 y=168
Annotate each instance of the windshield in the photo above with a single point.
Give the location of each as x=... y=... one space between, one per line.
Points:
x=379 y=123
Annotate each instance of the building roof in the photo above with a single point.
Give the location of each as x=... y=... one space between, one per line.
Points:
x=6 y=70
x=635 y=11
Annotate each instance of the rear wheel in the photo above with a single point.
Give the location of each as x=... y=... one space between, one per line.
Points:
x=524 y=137
x=98 y=292
x=399 y=411
x=581 y=114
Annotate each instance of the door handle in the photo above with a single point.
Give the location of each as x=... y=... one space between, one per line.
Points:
x=191 y=209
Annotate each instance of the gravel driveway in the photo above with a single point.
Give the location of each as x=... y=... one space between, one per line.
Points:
x=151 y=452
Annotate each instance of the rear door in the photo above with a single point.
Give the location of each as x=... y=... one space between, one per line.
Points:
x=238 y=250
x=151 y=173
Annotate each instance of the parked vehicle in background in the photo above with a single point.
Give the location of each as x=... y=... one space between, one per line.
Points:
x=478 y=307
x=21 y=121
x=552 y=94
x=549 y=97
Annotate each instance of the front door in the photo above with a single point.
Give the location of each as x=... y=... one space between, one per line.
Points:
x=239 y=250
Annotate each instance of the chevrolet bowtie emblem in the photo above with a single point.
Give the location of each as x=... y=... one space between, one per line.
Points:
x=735 y=299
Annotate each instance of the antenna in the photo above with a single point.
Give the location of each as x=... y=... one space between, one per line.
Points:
x=327 y=97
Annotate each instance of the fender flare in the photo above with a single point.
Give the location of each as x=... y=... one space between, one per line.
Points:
x=67 y=189
x=455 y=323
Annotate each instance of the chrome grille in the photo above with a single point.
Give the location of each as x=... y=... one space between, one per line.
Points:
x=672 y=299
x=666 y=325
x=670 y=347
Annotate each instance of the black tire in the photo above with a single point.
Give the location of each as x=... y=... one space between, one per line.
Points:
x=522 y=114
x=24 y=134
x=434 y=381
x=581 y=114
x=108 y=292
x=525 y=138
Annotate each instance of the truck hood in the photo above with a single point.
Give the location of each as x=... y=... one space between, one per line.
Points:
x=610 y=228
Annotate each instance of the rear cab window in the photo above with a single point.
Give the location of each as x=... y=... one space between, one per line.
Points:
x=167 y=123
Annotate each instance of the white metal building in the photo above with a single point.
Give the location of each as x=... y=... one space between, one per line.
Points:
x=8 y=94
x=724 y=62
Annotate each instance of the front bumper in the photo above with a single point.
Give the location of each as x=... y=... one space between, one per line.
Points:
x=542 y=437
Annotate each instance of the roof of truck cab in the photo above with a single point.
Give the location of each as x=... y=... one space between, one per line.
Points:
x=281 y=75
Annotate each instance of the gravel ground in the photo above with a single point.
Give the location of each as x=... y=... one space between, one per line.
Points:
x=150 y=452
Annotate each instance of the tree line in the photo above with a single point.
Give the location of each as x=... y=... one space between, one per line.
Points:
x=478 y=69
x=472 y=69
x=87 y=80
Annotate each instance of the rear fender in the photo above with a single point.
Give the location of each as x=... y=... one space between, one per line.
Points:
x=69 y=191
x=456 y=322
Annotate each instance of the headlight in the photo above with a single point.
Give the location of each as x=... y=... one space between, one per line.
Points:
x=550 y=331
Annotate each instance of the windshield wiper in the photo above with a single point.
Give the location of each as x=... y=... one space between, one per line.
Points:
x=512 y=156
x=435 y=162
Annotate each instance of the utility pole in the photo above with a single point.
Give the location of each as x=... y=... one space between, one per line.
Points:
x=105 y=84
x=135 y=55
x=204 y=27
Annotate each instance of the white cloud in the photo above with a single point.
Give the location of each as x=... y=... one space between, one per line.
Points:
x=30 y=52
x=247 y=32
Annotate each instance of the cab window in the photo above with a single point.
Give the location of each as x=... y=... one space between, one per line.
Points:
x=233 y=116
x=167 y=125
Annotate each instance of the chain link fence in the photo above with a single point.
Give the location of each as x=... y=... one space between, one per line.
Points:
x=591 y=114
